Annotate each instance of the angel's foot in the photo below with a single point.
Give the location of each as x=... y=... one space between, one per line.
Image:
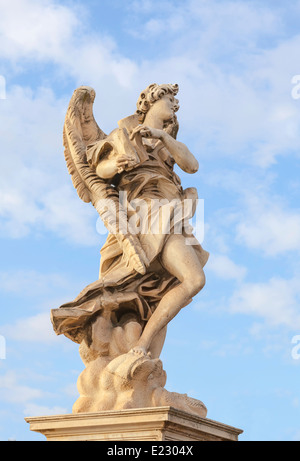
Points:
x=140 y=351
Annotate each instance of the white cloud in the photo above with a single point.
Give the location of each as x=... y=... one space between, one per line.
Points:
x=14 y=392
x=257 y=217
x=23 y=395
x=31 y=282
x=277 y=301
x=237 y=96
x=36 y=193
x=37 y=328
x=269 y=226
x=251 y=88
x=32 y=409
x=45 y=30
x=35 y=28
x=68 y=217
x=49 y=290
x=243 y=21
x=229 y=346
x=242 y=110
x=223 y=267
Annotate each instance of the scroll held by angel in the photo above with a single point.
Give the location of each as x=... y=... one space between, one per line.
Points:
x=148 y=272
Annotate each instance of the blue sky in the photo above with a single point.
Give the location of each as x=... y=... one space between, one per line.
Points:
x=236 y=63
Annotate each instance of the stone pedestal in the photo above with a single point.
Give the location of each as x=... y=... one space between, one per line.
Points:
x=142 y=424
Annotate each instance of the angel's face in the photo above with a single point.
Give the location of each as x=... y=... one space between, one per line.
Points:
x=165 y=107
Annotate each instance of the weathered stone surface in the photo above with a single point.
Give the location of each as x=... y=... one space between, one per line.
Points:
x=144 y=424
x=148 y=272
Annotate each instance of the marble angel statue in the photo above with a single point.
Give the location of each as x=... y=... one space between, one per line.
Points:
x=146 y=276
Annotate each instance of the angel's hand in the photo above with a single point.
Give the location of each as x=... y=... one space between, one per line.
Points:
x=147 y=132
x=123 y=161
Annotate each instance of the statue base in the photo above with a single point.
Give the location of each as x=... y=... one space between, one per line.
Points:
x=141 y=424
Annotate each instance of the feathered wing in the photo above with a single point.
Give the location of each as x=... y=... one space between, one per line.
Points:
x=81 y=129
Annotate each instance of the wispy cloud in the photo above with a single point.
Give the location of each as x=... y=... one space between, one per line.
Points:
x=16 y=392
x=36 y=329
x=46 y=31
x=252 y=89
x=269 y=226
x=36 y=192
x=13 y=391
x=33 y=409
x=225 y=268
x=37 y=29
x=32 y=283
x=243 y=78
x=276 y=302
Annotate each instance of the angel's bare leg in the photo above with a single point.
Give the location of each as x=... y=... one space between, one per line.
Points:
x=157 y=343
x=181 y=261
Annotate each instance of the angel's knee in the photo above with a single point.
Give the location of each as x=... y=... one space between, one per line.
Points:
x=195 y=283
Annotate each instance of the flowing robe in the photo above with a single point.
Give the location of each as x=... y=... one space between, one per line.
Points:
x=153 y=196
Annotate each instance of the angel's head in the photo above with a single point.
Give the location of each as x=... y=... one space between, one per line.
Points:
x=163 y=98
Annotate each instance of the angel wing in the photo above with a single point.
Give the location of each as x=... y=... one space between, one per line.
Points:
x=80 y=130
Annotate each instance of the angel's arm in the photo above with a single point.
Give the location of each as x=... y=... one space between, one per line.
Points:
x=107 y=167
x=111 y=164
x=112 y=155
x=179 y=151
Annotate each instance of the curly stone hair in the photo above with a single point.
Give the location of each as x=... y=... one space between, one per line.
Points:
x=153 y=93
